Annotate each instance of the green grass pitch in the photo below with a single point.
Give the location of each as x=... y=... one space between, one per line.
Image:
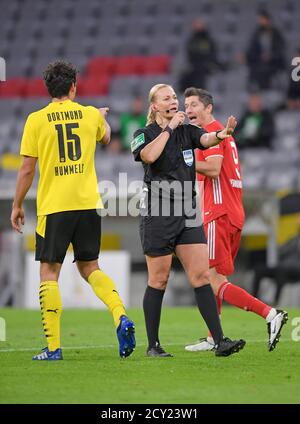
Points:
x=92 y=371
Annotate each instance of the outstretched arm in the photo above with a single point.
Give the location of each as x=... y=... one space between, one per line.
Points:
x=213 y=138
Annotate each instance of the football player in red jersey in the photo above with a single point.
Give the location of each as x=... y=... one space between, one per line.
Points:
x=218 y=168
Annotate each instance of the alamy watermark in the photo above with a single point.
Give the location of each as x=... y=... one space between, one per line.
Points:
x=157 y=198
x=296 y=70
x=2 y=69
x=2 y=330
x=296 y=329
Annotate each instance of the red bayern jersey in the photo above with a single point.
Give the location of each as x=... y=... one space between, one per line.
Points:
x=222 y=195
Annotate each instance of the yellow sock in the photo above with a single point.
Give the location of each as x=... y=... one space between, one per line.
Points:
x=51 y=307
x=105 y=289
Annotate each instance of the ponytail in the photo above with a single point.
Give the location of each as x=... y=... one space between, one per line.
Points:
x=151 y=116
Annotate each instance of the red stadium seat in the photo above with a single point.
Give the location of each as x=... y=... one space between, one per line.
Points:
x=157 y=64
x=101 y=65
x=36 y=88
x=125 y=66
x=13 y=87
x=129 y=65
x=99 y=72
x=93 y=86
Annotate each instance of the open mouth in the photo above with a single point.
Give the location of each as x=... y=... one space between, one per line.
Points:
x=173 y=109
x=192 y=119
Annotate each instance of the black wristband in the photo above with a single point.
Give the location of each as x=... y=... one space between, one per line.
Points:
x=168 y=130
x=217 y=132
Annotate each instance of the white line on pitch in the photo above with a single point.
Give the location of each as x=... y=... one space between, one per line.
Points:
x=29 y=349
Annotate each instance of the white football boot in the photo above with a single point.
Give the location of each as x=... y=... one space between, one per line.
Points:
x=205 y=344
x=274 y=328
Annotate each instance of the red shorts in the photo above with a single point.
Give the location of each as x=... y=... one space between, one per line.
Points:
x=223 y=241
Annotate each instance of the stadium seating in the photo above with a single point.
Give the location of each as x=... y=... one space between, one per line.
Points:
x=14 y=87
x=93 y=86
x=35 y=87
x=123 y=47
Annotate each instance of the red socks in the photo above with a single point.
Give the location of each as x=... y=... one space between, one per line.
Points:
x=236 y=296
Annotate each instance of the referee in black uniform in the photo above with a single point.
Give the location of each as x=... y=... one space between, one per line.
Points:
x=167 y=225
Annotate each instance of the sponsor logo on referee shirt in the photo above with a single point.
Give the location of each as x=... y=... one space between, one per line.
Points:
x=137 y=142
x=188 y=157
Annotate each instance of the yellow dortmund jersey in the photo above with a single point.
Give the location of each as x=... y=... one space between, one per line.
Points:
x=63 y=137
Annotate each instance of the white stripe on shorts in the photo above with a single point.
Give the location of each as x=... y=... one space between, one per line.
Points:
x=211 y=239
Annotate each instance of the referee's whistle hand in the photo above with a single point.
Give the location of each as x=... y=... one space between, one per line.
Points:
x=178 y=119
x=17 y=219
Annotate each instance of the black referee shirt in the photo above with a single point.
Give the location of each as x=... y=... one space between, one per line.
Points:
x=177 y=160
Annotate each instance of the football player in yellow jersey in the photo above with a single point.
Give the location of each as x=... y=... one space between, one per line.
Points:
x=62 y=138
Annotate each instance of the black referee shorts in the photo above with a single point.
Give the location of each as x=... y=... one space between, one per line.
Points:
x=56 y=231
x=161 y=234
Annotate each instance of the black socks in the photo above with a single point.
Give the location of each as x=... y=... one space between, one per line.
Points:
x=152 y=308
x=207 y=305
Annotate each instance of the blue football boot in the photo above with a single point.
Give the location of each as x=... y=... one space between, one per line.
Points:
x=47 y=355
x=125 y=333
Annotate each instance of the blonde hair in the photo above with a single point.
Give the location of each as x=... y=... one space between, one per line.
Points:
x=151 y=116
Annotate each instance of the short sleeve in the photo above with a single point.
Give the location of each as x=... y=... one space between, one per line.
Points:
x=101 y=128
x=29 y=143
x=214 y=151
x=140 y=140
x=195 y=134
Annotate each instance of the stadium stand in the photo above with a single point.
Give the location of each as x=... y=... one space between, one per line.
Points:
x=122 y=47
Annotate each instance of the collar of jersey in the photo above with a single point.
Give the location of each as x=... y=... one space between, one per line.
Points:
x=63 y=102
